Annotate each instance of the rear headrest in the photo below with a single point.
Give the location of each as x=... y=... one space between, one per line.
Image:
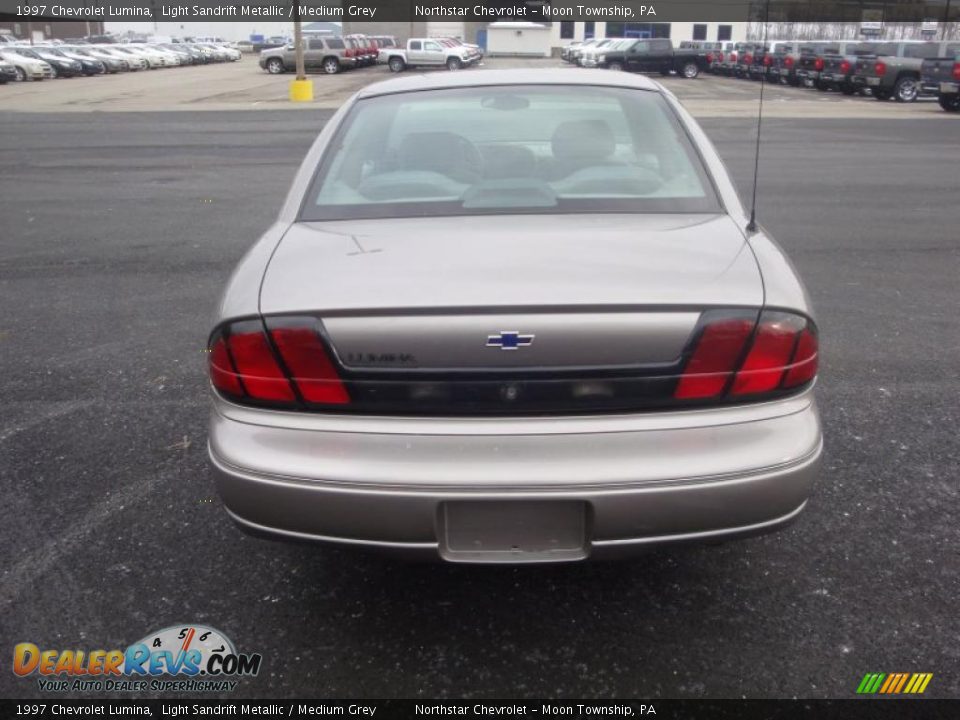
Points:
x=583 y=141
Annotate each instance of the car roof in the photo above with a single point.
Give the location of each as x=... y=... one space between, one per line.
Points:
x=487 y=78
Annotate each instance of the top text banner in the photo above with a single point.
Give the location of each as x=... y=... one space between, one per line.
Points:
x=489 y=10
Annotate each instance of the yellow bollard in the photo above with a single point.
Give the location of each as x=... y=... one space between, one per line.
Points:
x=301 y=91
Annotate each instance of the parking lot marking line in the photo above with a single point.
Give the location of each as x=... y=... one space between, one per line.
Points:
x=58 y=410
x=17 y=578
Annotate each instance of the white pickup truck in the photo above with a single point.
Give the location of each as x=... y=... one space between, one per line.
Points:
x=428 y=52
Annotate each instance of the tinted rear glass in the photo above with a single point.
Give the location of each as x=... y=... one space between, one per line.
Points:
x=515 y=149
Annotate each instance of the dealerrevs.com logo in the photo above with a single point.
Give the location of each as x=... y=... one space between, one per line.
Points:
x=180 y=658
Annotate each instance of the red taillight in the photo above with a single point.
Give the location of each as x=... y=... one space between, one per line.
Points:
x=732 y=356
x=709 y=57
x=765 y=364
x=767 y=60
x=845 y=67
x=350 y=53
x=222 y=372
x=788 y=62
x=257 y=367
x=718 y=350
x=312 y=371
x=803 y=365
x=748 y=59
x=818 y=64
x=733 y=57
x=245 y=365
x=880 y=68
x=719 y=57
x=956 y=71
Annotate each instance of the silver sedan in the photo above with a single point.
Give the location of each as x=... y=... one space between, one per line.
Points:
x=514 y=316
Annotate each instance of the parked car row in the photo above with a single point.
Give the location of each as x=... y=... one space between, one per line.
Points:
x=902 y=70
x=43 y=61
x=327 y=53
x=332 y=53
x=638 y=55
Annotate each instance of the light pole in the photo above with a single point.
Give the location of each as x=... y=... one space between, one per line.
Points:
x=301 y=89
x=298 y=44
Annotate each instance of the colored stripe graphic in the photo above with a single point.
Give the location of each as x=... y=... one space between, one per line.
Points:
x=892 y=679
x=903 y=679
x=870 y=683
x=918 y=683
x=894 y=683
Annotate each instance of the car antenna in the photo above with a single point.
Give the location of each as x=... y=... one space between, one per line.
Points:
x=752 y=225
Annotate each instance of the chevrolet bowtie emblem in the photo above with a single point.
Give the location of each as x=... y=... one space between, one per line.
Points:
x=509 y=340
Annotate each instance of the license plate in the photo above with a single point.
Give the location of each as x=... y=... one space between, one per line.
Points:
x=513 y=530
x=949 y=87
x=873 y=81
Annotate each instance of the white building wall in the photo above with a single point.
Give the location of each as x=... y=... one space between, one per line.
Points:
x=445 y=29
x=519 y=38
x=678 y=31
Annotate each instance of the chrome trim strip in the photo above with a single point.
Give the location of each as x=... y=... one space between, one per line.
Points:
x=505 y=425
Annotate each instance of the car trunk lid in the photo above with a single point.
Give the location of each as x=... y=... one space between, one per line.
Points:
x=567 y=263
x=492 y=314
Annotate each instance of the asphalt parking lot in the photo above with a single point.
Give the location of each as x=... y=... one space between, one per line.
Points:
x=120 y=229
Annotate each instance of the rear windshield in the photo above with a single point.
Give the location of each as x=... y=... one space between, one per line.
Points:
x=512 y=149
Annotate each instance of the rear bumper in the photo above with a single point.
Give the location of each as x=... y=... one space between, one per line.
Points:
x=835 y=78
x=641 y=480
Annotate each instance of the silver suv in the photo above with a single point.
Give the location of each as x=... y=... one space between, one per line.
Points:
x=329 y=54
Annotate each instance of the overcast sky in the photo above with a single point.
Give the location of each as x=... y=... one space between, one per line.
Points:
x=226 y=30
